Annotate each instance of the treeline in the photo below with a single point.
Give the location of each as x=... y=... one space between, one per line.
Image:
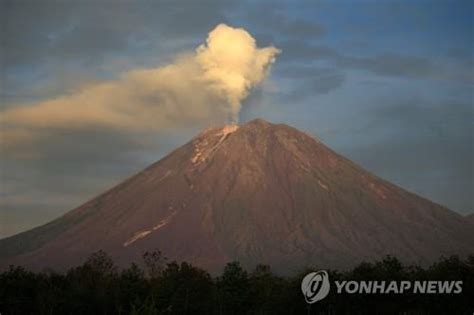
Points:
x=99 y=287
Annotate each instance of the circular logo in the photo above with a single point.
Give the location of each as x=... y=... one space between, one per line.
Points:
x=315 y=286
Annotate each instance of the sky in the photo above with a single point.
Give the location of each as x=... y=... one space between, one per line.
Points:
x=92 y=92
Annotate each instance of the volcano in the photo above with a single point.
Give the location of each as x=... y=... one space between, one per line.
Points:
x=256 y=193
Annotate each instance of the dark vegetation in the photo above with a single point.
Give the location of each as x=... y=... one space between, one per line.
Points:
x=99 y=287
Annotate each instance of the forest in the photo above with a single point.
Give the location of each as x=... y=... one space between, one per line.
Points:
x=156 y=286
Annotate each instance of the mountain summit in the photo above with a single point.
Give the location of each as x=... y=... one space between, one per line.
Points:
x=257 y=193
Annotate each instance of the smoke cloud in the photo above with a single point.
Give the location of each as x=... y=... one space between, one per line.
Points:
x=205 y=86
x=231 y=59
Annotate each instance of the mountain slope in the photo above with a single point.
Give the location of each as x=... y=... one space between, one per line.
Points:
x=258 y=193
x=470 y=218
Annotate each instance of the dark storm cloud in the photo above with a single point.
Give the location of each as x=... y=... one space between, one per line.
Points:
x=272 y=22
x=273 y=17
x=423 y=146
x=296 y=50
x=389 y=65
x=309 y=81
x=36 y=30
x=393 y=65
x=303 y=28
